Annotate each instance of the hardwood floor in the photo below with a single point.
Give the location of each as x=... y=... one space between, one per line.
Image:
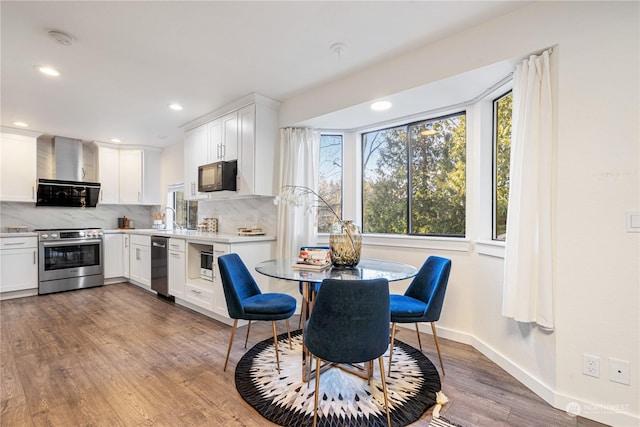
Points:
x=119 y=356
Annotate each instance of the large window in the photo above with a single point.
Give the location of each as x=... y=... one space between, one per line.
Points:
x=330 y=180
x=502 y=108
x=413 y=178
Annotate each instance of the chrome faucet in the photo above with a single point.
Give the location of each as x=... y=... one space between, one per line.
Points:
x=175 y=224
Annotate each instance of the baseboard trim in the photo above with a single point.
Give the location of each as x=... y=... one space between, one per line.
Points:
x=593 y=411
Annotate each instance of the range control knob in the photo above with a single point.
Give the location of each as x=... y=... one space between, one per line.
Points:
x=54 y=235
x=44 y=236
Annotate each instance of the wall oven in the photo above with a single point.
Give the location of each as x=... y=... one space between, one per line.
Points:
x=69 y=259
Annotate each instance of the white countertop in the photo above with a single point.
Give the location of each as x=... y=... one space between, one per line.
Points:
x=193 y=235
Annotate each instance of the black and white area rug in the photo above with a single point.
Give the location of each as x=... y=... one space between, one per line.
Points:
x=345 y=398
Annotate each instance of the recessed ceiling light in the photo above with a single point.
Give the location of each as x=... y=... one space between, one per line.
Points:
x=21 y=124
x=381 y=105
x=115 y=140
x=175 y=107
x=47 y=70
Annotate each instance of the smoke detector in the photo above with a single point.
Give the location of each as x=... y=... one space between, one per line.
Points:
x=61 y=38
x=338 y=48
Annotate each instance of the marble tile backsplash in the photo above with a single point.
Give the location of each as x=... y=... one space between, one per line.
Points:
x=237 y=213
x=232 y=214
x=102 y=216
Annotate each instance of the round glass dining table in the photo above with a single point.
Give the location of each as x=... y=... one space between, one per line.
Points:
x=367 y=268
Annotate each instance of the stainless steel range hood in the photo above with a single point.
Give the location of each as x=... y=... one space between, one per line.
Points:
x=65 y=176
x=68 y=156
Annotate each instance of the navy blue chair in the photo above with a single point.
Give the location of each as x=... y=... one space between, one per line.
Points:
x=349 y=324
x=422 y=301
x=246 y=301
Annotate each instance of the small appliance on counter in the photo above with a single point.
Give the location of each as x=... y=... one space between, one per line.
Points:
x=206 y=265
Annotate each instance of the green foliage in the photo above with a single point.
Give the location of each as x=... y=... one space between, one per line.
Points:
x=503 y=114
x=431 y=184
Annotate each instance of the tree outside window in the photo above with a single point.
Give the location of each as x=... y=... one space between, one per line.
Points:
x=414 y=178
x=502 y=110
x=330 y=180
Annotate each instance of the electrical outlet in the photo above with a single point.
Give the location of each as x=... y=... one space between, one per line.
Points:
x=591 y=365
x=619 y=371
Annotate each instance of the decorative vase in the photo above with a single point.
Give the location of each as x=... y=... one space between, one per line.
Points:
x=345 y=242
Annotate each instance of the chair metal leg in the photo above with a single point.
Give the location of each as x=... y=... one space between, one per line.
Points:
x=275 y=344
x=289 y=335
x=233 y=332
x=247 y=337
x=315 y=397
x=418 y=334
x=435 y=337
x=393 y=337
x=384 y=390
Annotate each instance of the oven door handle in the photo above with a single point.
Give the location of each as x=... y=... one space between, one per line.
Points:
x=71 y=243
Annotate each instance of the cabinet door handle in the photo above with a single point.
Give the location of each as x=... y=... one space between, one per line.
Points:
x=14 y=244
x=139 y=196
x=196 y=292
x=137 y=253
x=33 y=192
x=126 y=242
x=34 y=257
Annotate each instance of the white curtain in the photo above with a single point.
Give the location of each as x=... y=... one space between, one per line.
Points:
x=299 y=160
x=528 y=278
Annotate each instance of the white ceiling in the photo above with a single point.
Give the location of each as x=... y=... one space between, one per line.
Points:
x=130 y=60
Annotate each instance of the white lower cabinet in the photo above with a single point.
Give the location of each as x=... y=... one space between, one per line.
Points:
x=220 y=303
x=140 y=260
x=18 y=263
x=113 y=260
x=206 y=294
x=126 y=250
x=177 y=268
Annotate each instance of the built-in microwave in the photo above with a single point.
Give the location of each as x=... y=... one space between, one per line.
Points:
x=218 y=176
x=206 y=265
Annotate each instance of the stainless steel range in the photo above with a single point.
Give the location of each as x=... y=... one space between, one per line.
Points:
x=70 y=259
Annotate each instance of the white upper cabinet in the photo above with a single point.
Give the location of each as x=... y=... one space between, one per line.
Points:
x=246 y=131
x=128 y=175
x=195 y=154
x=131 y=177
x=229 y=145
x=18 y=166
x=257 y=136
x=109 y=174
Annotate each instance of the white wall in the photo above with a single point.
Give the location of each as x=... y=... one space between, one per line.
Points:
x=596 y=262
x=172 y=167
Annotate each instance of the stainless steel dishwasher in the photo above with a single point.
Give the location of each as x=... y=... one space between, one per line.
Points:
x=159 y=254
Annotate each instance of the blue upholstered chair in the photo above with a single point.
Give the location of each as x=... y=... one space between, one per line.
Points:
x=245 y=301
x=422 y=301
x=349 y=324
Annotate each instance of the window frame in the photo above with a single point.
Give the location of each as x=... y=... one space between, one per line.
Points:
x=464 y=111
x=494 y=167
x=342 y=155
